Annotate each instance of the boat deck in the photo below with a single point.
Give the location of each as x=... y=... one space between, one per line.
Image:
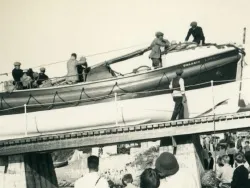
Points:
x=123 y=134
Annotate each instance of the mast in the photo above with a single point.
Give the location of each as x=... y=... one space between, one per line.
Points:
x=241 y=102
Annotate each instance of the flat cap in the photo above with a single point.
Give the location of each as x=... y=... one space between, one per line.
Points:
x=17 y=64
x=193 y=24
x=42 y=69
x=157 y=34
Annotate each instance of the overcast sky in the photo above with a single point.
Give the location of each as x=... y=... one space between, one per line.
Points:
x=37 y=32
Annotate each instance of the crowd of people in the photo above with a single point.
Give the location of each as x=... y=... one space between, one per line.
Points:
x=78 y=70
x=27 y=78
x=166 y=173
x=228 y=163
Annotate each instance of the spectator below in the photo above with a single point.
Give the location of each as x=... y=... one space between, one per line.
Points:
x=209 y=180
x=127 y=181
x=246 y=147
x=171 y=176
x=210 y=161
x=149 y=179
x=225 y=173
x=240 y=175
x=92 y=179
x=231 y=151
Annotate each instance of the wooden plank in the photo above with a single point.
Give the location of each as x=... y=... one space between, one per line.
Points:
x=127 y=137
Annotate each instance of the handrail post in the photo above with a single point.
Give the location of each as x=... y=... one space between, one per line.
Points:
x=116 y=114
x=26 y=122
x=212 y=89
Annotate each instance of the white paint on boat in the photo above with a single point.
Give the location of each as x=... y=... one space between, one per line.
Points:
x=127 y=112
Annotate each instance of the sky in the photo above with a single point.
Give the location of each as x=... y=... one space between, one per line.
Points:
x=41 y=32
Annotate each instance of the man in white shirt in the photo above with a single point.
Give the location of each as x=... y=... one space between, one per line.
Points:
x=92 y=179
x=178 y=88
x=225 y=173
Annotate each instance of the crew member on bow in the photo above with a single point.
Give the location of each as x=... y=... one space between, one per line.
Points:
x=156 y=45
x=197 y=33
x=42 y=76
x=17 y=73
x=178 y=93
x=83 y=69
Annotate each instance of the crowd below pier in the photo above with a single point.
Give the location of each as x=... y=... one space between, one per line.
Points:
x=226 y=164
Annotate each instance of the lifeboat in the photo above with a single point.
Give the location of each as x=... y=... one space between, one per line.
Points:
x=200 y=64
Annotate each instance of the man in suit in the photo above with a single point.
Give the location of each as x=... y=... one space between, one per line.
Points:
x=240 y=175
x=197 y=33
x=178 y=89
x=156 y=45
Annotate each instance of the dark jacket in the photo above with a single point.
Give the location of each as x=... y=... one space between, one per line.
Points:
x=17 y=74
x=211 y=164
x=240 y=177
x=42 y=77
x=198 y=35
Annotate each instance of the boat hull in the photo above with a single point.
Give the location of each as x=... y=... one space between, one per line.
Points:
x=217 y=67
x=121 y=113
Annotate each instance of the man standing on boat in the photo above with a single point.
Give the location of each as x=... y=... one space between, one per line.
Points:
x=178 y=89
x=197 y=33
x=156 y=45
x=72 y=75
x=17 y=74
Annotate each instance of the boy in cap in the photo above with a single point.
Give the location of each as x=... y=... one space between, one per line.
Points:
x=196 y=32
x=178 y=88
x=156 y=45
x=17 y=73
x=42 y=76
x=171 y=176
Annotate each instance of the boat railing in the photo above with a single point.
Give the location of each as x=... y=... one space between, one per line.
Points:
x=118 y=107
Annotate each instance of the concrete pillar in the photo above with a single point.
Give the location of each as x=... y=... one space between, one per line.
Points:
x=188 y=153
x=27 y=171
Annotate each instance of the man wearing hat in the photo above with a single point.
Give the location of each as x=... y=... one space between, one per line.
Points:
x=156 y=45
x=197 y=33
x=17 y=73
x=170 y=173
x=42 y=76
x=178 y=93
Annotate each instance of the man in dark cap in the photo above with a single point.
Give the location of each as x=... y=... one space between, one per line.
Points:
x=170 y=173
x=156 y=45
x=42 y=76
x=17 y=73
x=197 y=33
x=178 y=89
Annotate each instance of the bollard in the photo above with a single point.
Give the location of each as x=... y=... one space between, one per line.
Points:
x=26 y=122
